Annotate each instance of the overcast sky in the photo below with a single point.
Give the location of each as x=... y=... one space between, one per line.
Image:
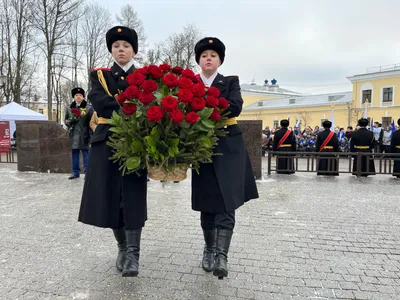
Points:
x=307 y=45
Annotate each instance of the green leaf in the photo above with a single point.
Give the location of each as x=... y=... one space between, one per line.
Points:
x=116 y=116
x=115 y=129
x=151 y=141
x=133 y=162
x=173 y=142
x=158 y=96
x=204 y=141
x=207 y=123
x=138 y=113
x=206 y=112
x=201 y=127
x=185 y=125
x=136 y=146
x=166 y=90
x=171 y=152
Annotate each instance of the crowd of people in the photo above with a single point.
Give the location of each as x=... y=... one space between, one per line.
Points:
x=306 y=138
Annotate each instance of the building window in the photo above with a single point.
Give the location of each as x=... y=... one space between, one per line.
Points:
x=387 y=95
x=292 y=101
x=41 y=111
x=366 y=95
x=386 y=121
x=276 y=124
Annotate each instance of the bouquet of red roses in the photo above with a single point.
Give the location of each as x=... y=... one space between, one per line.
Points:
x=169 y=120
x=74 y=118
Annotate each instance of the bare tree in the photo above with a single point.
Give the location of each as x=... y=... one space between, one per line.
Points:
x=356 y=114
x=178 y=49
x=154 y=55
x=53 y=18
x=93 y=32
x=130 y=18
x=305 y=117
x=17 y=47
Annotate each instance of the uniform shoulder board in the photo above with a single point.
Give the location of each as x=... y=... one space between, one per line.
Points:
x=232 y=76
x=102 y=69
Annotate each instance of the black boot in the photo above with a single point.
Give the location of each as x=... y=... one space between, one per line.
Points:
x=224 y=237
x=208 y=262
x=120 y=236
x=131 y=266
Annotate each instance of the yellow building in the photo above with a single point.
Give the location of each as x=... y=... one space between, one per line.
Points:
x=378 y=90
x=309 y=110
x=374 y=93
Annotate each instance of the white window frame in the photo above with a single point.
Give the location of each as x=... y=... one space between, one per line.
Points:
x=393 y=90
x=367 y=86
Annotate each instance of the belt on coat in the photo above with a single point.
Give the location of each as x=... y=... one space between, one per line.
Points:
x=102 y=120
x=229 y=122
x=328 y=147
x=361 y=147
x=285 y=145
x=397 y=147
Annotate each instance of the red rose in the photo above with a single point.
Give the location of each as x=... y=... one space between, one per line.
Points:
x=185 y=96
x=198 y=89
x=144 y=71
x=135 y=79
x=129 y=109
x=155 y=71
x=212 y=101
x=149 y=86
x=76 y=112
x=176 y=116
x=223 y=103
x=192 y=117
x=169 y=103
x=170 y=80
x=188 y=74
x=121 y=98
x=215 y=116
x=146 y=98
x=177 y=70
x=198 y=104
x=185 y=83
x=165 y=68
x=213 y=91
x=131 y=92
x=154 y=114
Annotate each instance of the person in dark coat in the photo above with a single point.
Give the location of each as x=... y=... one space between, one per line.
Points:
x=110 y=200
x=327 y=141
x=395 y=148
x=78 y=130
x=362 y=140
x=228 y=182
x=284 y=141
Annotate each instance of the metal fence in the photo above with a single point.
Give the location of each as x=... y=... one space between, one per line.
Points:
x=309 y=161
x=9 y=157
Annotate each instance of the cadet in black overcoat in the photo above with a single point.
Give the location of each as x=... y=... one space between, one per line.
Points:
x=79 y=131
x=327 y=165
x=228 y=182
x=395 y=148
x=284 y=165
x=109 y=199
x=362 y=140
